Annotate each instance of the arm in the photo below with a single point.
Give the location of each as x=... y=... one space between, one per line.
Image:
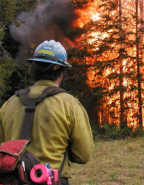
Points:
x=81 y=137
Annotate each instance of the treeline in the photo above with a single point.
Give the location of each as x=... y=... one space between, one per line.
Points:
x=12 y=75
x=112 y=49
x=107 y=73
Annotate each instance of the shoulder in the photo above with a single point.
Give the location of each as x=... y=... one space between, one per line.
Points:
x=68 y=98
x=63 y=101
x=12 y=101
x=71 y=103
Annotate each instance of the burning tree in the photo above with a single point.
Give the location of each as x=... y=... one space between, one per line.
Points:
x=108 y=44
x=111 y=41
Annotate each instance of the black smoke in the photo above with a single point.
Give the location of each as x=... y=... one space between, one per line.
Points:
x=51 y=19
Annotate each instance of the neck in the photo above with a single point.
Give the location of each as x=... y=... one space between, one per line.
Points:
x=59 y=80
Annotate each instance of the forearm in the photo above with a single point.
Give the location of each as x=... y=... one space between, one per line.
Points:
x=82 y=149
x=82 y=143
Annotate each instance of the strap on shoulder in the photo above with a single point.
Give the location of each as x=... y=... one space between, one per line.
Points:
x=30 y=105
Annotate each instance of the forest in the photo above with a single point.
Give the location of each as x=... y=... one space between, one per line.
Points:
x=105 y=45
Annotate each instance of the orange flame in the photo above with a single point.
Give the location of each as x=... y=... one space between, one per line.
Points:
x=90 y=13
x=86 y=14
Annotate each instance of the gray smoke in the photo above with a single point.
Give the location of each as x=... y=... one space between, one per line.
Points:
x=51 y=19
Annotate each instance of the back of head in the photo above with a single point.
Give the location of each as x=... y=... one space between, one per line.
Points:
x=49 y=60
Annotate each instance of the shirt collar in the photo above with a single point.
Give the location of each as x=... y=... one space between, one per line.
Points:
x=45 y=83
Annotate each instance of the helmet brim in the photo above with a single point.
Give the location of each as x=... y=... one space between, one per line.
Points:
x=66 y=64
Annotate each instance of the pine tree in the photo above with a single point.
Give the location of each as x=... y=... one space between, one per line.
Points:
x=138 y=52
x=109 y=46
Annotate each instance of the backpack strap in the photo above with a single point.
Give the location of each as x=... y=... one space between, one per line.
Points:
x=30 y=105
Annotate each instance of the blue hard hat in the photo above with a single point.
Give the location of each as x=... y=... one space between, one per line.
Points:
x=50 y=52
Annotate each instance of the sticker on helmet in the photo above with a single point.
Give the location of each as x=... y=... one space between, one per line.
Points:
x=46 y=52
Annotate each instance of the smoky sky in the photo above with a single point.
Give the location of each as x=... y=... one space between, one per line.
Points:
x=51 y=19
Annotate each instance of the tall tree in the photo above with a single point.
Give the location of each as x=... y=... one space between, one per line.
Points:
x=121 y=67
x=110 y=41
x=138 y=39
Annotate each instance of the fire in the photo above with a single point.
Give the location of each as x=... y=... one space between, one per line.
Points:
x=86 y=14
x=120 y=74
x=95 y=17
x=94 y=36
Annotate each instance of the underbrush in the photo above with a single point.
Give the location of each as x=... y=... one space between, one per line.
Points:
x=113 y=132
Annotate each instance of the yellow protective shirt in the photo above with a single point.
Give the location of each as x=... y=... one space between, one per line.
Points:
x=57 y=120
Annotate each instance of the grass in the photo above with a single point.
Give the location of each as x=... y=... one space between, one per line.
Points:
x=114 y=162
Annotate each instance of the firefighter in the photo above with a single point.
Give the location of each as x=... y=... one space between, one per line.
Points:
x=61 y=131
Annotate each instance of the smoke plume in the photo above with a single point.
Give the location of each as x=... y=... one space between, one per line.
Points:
x=51 y=19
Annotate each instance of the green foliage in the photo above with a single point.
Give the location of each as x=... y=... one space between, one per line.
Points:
x=12 y=77
x=7 y=11
x=2 y=34
x=9 y=44
x=7 y=67
x=10 y=9
x=114 y=132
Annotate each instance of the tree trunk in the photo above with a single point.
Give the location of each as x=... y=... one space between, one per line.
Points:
x=122 y=122
x=141 y=11
x=138 y=37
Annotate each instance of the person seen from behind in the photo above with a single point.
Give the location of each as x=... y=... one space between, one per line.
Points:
x=61 y=131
